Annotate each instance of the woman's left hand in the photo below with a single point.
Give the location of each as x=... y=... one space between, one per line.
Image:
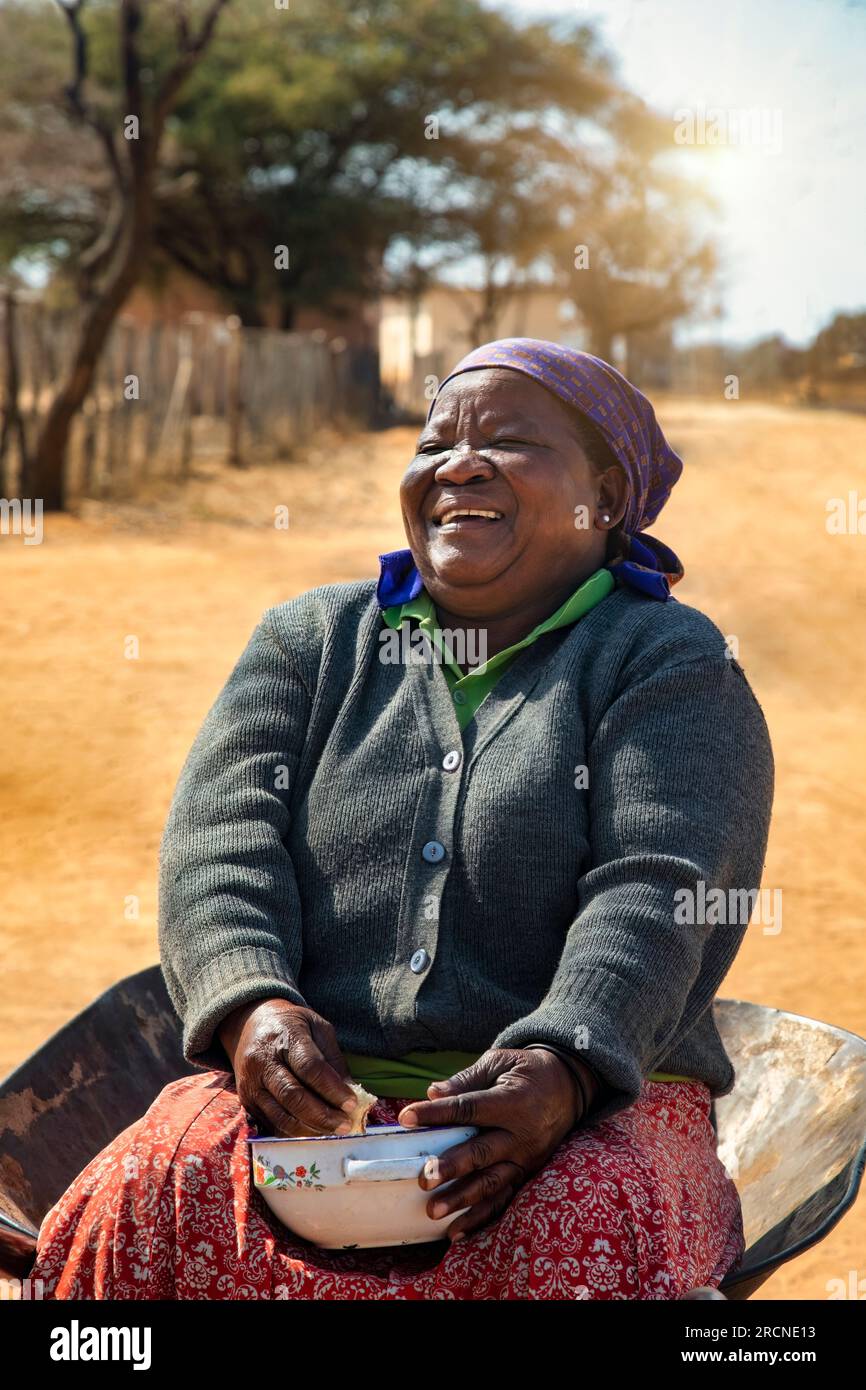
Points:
x=525 y=1100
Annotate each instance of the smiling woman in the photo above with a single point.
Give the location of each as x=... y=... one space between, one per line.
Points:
x=491 y=499
x=501 y=449
x=455 y=884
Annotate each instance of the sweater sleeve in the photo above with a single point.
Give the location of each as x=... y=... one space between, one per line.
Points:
x=229 y=910
x=680 y=786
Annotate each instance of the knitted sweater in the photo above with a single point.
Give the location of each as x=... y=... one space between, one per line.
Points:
x=333 y=840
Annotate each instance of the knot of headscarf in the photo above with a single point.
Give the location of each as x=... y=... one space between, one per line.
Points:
x=626 y=420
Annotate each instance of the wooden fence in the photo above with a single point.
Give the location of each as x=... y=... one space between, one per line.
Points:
x=165 y=394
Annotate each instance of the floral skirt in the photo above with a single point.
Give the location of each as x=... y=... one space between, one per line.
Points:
x=637 y=1206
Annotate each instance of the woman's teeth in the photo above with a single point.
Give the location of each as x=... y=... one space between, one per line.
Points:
x=451 y=517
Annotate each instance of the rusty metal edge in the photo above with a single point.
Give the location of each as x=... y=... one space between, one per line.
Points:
x=148 y=974
x=746 y=1273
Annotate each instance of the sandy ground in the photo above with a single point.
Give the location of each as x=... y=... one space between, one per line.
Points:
x=93 y=741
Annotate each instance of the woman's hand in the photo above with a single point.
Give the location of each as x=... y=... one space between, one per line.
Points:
x=288 y=1068
x=525 y=1100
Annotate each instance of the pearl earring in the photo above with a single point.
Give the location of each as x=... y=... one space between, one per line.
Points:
x=605 y=517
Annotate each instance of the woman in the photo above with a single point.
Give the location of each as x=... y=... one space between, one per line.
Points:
x=466 y=885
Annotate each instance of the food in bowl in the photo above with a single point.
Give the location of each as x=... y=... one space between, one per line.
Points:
x=364 y=1103
x=343 y=1192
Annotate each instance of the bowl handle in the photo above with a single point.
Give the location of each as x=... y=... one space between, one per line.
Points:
x=383 y=1169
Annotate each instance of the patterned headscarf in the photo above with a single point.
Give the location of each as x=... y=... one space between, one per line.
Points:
x=625 y=419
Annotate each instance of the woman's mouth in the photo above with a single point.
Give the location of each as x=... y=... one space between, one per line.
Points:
x=460 y=518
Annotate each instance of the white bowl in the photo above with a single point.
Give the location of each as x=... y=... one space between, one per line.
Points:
x=343 y=1191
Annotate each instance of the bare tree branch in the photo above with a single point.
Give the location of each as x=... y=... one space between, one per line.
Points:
x=82 y=109
x=192 y=46
x=181 y=22
x=141 y=149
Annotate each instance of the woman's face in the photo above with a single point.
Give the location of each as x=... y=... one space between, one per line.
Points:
x=499 y=443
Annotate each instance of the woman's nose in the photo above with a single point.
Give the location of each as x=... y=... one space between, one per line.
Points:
x=463 y=465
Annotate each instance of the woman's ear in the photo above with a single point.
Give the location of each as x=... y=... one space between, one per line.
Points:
x=612 y=495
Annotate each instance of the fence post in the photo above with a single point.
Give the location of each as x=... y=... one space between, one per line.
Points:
x=193 y=345
x=176 y=414
x=108 y=393
x=234 y=389
x=90 y=475
x=13 y=421
x=124 y=367
x=154 y=395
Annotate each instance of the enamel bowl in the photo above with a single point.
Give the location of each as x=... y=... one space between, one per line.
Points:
x=343 y=1191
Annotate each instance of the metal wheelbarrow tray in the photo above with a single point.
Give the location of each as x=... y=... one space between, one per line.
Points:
x=792 y=1133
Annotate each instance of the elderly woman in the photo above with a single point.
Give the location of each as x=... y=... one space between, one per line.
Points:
x=472 y=882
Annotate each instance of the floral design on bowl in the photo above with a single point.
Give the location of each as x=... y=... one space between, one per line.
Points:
x=269 y=1174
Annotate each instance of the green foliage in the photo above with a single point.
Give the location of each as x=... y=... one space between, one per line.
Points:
x=840 y=347
x=310 y=128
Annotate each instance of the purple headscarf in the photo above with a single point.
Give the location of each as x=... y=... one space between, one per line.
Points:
x=625 y=419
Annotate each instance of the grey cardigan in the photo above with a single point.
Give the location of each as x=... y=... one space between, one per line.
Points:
x=334 y=840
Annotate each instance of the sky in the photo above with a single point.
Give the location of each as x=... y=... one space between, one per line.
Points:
x=792 y=200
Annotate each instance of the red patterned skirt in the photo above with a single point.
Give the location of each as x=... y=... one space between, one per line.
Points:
x=637 y=1206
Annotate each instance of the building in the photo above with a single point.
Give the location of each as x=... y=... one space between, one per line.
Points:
x=420 y=339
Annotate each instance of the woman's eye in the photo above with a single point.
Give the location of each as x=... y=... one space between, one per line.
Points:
x=432 y=448
x=510 y=439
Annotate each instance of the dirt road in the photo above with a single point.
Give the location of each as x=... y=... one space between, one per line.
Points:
x=94 y=735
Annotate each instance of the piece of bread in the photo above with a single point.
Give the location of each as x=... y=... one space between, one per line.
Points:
x=358 y=1117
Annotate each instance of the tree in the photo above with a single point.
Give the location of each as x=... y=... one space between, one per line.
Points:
x=50 y=177
x=367 y=133
x=504 y=169
x=375 y=146
x=340 y=132
x=840 y=347
x=506 y=218
x=771 y=361
x=109 y=267
x=637 y=254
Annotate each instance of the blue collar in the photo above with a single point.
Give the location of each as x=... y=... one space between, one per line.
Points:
x=400 y=581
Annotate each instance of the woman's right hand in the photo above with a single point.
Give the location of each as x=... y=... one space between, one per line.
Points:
x=289 y=1070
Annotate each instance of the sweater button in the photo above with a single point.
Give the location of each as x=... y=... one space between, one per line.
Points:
x=433 y=852
x=451 y=760
x=459 y=697
x=419 y=961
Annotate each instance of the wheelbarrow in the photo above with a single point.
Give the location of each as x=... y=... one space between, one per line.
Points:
x=792 y=1133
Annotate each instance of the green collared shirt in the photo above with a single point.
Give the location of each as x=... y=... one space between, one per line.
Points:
x=470 y=689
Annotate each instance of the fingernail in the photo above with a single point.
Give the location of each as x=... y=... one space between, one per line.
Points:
x=432 y=1170
x=344 y=1128
x=439 y=1086
x=439 y=1209
x=458 y=1236
x=407 y=1118
x=348 y=1106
